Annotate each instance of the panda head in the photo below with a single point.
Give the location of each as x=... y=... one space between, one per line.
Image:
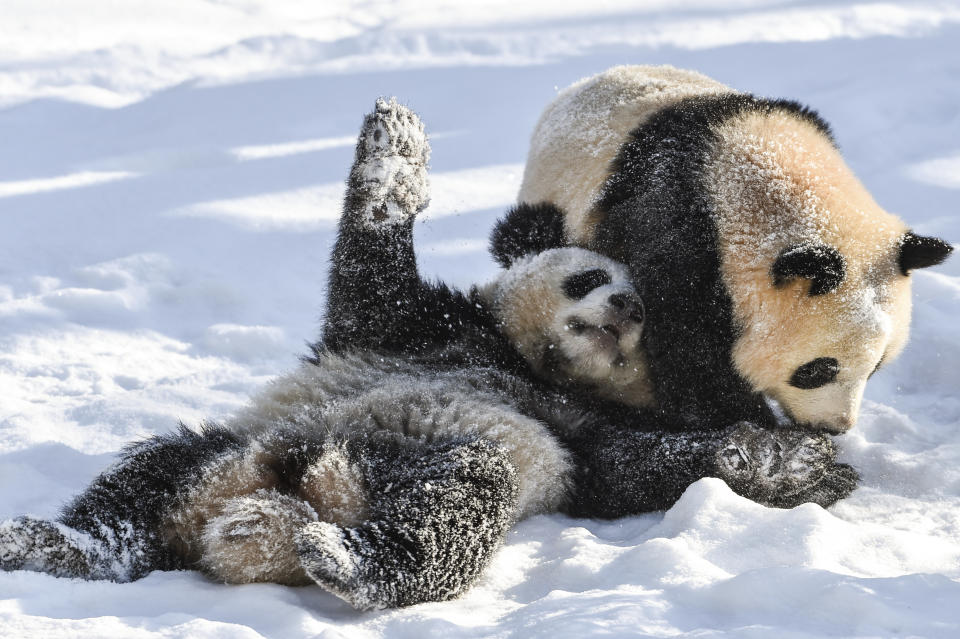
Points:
x=575 y=317
x=817 y=272
x=823 y=324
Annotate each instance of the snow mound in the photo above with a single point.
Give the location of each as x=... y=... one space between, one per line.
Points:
x=243 y=343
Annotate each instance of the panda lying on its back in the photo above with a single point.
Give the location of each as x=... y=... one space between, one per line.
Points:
x=388 y=467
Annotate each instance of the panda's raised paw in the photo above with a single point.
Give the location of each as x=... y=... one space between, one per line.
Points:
x=388 y=182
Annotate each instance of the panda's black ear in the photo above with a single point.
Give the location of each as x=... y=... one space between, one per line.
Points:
x=920 y=251
x=526 y=229
x=821 y=264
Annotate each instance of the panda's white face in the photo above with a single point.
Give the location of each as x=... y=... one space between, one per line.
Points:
x=780 y=187
x=575 y=316
x=816 y=370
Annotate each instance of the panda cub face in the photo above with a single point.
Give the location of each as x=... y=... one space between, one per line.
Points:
x=575 y=316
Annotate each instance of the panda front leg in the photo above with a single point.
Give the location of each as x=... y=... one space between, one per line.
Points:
x=622 y=472
x=437 y=514
x=783 y=467
x=373 y=277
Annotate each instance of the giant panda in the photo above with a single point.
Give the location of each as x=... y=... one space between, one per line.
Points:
x=389 y=464
x=774 y=284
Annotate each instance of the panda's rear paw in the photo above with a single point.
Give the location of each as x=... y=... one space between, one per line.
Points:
x=329 y=556
x=388 y=183
x=775 y=467
x=39 y=545
x=252 y=539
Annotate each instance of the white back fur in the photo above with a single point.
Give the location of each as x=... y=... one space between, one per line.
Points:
x=580 y=132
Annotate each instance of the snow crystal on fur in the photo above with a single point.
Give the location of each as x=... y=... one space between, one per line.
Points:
x=252 y=540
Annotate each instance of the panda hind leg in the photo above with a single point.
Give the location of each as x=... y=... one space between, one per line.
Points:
x=28 y=543
x=784 y=467
x=437 y=517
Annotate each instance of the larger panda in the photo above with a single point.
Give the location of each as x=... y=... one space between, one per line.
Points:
x=772 y=279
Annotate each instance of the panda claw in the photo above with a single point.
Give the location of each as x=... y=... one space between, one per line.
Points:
x=389 y=176
x=734 y=458
x=839 y=481
x=783 y=467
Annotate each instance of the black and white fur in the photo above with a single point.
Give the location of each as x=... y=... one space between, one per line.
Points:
x=770 y=275
x=389 y=465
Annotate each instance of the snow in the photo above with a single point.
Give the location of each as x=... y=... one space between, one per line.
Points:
x=83 y=178
x=170 y=176
x=318 y=207
x=943 y=172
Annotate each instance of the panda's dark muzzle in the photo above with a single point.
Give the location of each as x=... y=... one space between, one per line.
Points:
x=629 y=307
x=611 y=330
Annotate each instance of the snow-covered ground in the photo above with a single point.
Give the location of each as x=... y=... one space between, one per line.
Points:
x=170 y=175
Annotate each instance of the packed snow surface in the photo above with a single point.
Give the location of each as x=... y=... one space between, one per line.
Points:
x=170 y=176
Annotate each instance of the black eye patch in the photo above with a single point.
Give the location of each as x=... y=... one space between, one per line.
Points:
x=815 y=373
x=577 y=286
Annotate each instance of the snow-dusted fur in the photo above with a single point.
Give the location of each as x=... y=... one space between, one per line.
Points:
x=574 y=315
x=768 y=271
x=389 y=465
x=581 y=131
x=539 y=338
x=363 y=393
x=438 y=513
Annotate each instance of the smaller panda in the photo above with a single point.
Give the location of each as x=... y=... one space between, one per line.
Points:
x=574 y=316
x=326 y=449
x=389 y=465
x=568 y=316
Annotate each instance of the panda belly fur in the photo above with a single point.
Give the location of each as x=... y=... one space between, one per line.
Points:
x=364 y=393
x=321 y=453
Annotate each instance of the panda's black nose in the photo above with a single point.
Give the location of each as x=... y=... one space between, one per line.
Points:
x=630 y=306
